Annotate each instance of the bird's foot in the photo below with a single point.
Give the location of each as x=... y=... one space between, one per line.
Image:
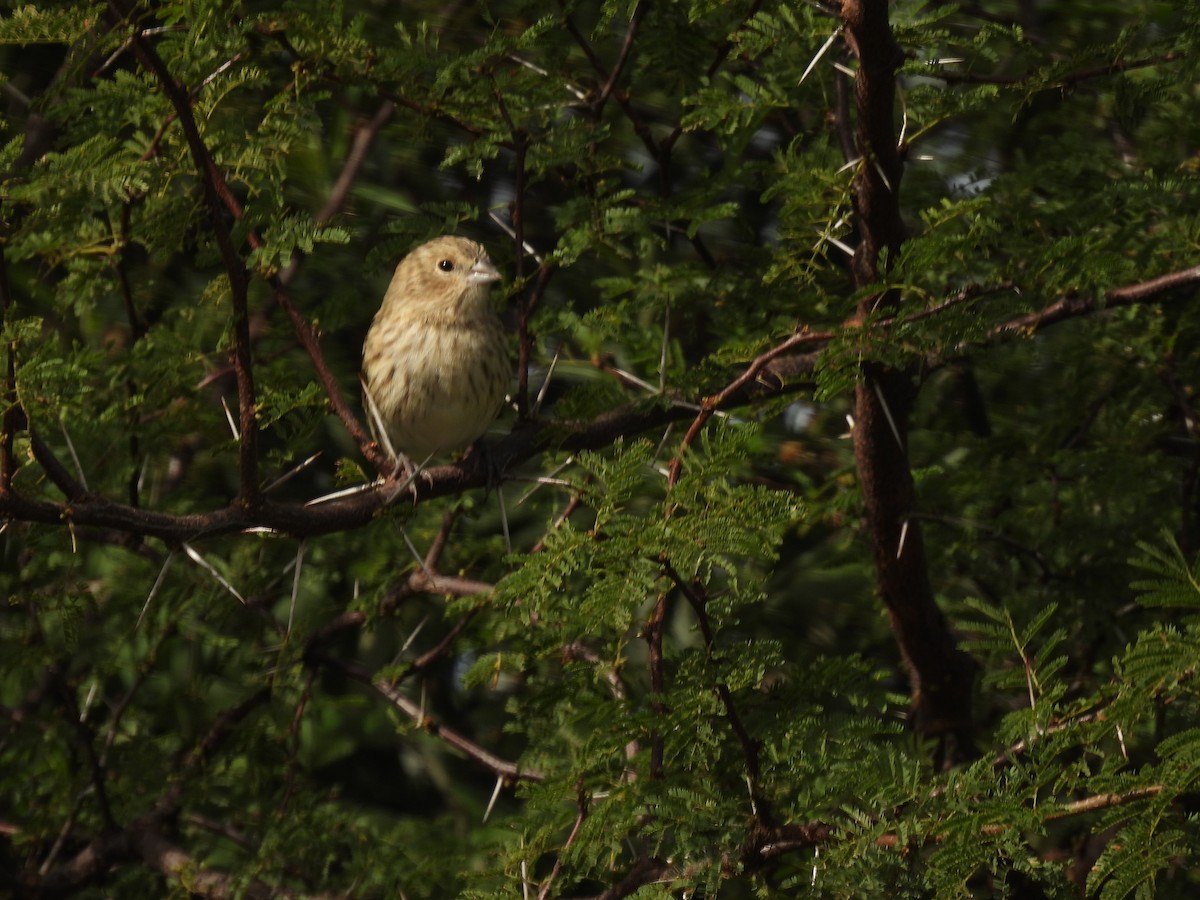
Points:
x=403 y=478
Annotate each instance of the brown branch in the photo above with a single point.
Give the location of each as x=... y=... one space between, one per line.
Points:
x=218 y=732
x=438 y=114
x=577 y=651
x=723 y=50
x=147 y=841
x=52 y=466
x=442 y=647
x=294 y=771
x=221 y=195
x=652 y=634
x=710 y=405
x=967 y=294
x=1103 y=801
x=771 y=374
x=217 y=197
x=364 y=136
x=525 y=310
x=644 y=871
x=1067 y=80
x=435 y=583
x=940 y=675
x=697 y=598
x=143 y=674
x=584 y=44
x=843 y=121
x=374 y=454
x=304 y=330
x=582 y=802
x=509 y=771
x=525 y=336
x=573 y=504
x=137 y=330
x=805 y=836
x=339 y=515
x=85 y=736
x=144 y=839
x=639 y=126
x=1072 y=306
x=614 y=74
x=11 y=417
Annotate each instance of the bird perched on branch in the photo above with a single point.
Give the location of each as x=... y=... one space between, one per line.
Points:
x=436 y=364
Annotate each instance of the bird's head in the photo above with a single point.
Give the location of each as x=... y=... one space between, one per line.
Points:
x=449 y=272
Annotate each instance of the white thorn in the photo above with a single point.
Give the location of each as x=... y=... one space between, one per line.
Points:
x=71 y=449
x=495 y=795
x=816 y=59
x=230 y=420
x=537 y=404
x=162 y=573
x=208 y=567
x=295 y=586
x=888 y=413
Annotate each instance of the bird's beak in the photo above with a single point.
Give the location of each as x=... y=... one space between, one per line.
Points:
x=483 y=271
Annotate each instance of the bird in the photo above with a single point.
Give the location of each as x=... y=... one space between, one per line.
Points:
x=436 y=363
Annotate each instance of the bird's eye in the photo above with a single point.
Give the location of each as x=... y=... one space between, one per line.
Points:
x=446 y=265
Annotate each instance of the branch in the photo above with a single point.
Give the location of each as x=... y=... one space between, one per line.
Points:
x=771 y=374
x=525 y=336
x=501 y=767
x=710 y=405
x=337 y=401
x=11 y=417
x=349 y=512
x=364 y=135
x=216 y=196
x=635 y=20
x=646 y=870
x=1073 y=306
x=1067 y=80
x=652 y=633
x=940 y=675
x=196 y=878
x=805 y=836
x=509 y=771
x=698 y=600
x=582 y=801
x=54 y=469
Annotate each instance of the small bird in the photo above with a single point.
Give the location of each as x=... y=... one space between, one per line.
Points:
x=436 y=363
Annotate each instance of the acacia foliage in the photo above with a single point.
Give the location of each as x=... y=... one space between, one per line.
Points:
x=734 y=231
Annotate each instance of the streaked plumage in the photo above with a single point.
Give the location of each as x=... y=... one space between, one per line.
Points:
x=436 y=360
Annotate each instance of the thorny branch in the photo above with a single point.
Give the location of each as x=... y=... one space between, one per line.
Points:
x=781 y=363
x=710 y=405
x=940 y=675
x=386 y=688
x=11 y=416
x=1066 y=80
x=220 y=199
x=698 y=600
x=582 y=804
x=217 y=197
